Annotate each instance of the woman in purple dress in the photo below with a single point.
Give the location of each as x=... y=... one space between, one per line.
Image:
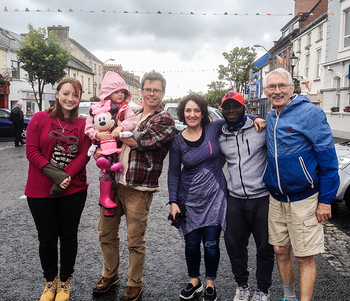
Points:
x=197 y=185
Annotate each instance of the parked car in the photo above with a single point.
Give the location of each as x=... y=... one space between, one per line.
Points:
x=343 y=153
x=7 y=128
x=171 y=108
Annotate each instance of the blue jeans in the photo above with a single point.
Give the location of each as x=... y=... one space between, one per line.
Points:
x=210 y=236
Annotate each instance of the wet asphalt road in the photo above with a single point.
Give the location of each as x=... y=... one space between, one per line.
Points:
x=165 y=271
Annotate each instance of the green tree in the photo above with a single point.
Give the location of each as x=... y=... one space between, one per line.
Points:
x=43 y=59
x=240 y=61
x=215 y=93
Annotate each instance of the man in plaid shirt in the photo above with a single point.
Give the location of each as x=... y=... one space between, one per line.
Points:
x=142 y=159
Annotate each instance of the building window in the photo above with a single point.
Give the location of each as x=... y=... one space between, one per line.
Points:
x=95 y=68
x=318 y=56
x=347 y=29
x=74 y=75
x=99 y=69
x=336 y=85
x=320 y=32
x=308 y=39
x=89 y=85
x=307 y=65
x=299 y=46
x=82 y=82
x=15 y=69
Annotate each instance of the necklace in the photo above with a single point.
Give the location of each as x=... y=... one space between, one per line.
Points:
x=61 y=125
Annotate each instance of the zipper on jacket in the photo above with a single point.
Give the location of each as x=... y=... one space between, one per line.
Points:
x=239 y=165
x=248 y=146
x=306 y=172
x=276 y=158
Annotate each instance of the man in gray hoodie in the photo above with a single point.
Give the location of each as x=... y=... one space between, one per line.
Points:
x=244 y=149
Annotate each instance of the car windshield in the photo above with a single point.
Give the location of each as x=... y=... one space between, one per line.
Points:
x=172 y=112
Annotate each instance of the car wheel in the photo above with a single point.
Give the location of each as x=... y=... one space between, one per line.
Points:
x=24 y=133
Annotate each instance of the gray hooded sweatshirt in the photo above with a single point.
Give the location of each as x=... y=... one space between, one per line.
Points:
x=245 y=154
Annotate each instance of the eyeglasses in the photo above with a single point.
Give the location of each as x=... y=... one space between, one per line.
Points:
x=154 y=91
x=280 y=87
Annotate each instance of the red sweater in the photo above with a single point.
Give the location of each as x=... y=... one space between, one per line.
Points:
x=45 y=143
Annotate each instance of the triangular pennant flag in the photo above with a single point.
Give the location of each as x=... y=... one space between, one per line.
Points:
x=27 y=9
x=170 y=13
x=5 y=9
x=38 y=10
x=225 y=14
x=59 y=10
x=268 y=14
x=159 y=12
x=136 y=12
x=103 y=11
x=257 y=14
x=70 y=10
x=280 y=60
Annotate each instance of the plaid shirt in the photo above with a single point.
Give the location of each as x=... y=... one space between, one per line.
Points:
x=154 y=136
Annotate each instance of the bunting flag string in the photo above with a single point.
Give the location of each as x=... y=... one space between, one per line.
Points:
x=171 y=71
x=145 y=13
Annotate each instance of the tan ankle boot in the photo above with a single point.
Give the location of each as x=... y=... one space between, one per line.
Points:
x=49 y=291
x=63 y=289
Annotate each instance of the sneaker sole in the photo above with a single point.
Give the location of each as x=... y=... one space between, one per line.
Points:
x=210 y=300
x=198 y=290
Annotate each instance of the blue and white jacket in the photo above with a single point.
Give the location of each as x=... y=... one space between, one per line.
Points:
x=300 y=153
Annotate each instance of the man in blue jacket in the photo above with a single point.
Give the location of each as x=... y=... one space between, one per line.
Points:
x=302 y=177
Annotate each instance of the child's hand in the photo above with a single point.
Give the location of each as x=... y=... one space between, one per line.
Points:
x=116 y=132
x=105 y=136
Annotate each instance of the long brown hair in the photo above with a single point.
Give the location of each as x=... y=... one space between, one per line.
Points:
x=56 y=110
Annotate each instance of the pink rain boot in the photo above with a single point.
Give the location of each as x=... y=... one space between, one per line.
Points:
x=110 y=212
x=103 y=164
x=105 y=195
x=117 y=167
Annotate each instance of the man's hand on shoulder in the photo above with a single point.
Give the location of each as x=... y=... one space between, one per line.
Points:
x=259 y=124
x=323 y=212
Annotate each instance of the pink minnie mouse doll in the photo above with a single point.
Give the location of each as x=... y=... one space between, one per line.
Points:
x=115 y=90
x=104 y=121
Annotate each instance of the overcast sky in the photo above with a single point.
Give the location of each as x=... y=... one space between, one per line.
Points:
x=187 y=47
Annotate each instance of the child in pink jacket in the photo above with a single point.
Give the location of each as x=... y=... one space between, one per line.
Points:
x=113 y=88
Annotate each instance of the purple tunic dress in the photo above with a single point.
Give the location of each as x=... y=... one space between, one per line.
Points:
x=196 y=179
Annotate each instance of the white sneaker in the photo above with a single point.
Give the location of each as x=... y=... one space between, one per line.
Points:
x=242 y=294
x=260 y=296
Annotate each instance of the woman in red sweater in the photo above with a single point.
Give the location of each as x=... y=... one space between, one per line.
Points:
x=56 y=189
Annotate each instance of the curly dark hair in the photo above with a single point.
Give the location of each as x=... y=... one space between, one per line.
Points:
x=202 y=104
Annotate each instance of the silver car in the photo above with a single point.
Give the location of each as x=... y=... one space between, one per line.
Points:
x=171 y=108
x=343 y=153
